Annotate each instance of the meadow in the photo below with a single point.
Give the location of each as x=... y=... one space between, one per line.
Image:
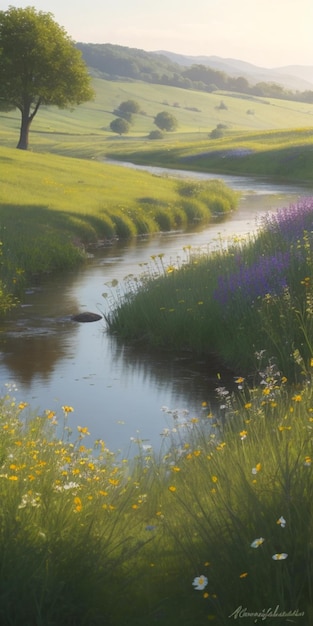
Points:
x=255 y=294
x=53 y=207
x=88 y=540
x=218 y=526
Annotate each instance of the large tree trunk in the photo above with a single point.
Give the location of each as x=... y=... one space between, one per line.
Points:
x=24 y=131
x=27 y=118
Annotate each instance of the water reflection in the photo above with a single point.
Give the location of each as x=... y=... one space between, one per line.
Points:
x=193 y=378
x=36 y=338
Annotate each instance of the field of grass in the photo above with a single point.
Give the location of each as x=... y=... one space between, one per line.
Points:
x=222 y=519
x=85 y=131
x=88 y=540
x=51 y=207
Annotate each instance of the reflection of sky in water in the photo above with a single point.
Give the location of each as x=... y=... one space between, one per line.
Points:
x=115 y=391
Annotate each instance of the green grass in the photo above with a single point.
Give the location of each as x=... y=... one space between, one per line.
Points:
x=87 y=539
x=254 y=294
x=85 y=132
x=52 y=207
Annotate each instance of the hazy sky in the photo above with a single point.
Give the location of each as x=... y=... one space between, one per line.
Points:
x=268 y=33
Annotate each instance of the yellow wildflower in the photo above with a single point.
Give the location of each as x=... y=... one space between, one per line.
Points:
x=83 y=430
x=297 y=397
x=78 y=504
x=67 y=409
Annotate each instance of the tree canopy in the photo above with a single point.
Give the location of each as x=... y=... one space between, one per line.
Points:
x=120 y=126
x=39 y=65
x=165 y=121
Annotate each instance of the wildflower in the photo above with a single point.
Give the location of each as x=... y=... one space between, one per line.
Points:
x=67 y=409
x=257 y=468
x=281 y=521
x=281 y=428
x=239 y=380
x=257 y=542
x=243 y=575
x=206 y=595
x=280 y=556
x=214 y=479
x=248 y=405
x=200 y=582
x=78 y=504
x=307 y=461
x=172 y=488
x=175 y=469
x=83 y=430
x=297 y=397
x=243 y=434
x=22 y=405
x=70 y=485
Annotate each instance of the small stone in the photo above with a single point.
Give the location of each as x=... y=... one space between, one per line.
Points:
x=87 y=317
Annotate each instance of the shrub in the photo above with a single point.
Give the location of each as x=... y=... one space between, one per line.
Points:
x=155 y=134
x=216 y=133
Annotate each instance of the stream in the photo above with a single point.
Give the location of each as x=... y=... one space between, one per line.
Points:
x=118 y=391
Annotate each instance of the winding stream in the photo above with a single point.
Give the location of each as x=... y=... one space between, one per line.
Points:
x=116 y=391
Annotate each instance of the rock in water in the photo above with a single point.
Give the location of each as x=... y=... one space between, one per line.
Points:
x=86 y=317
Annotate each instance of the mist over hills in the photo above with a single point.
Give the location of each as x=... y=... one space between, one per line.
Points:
x=204 y=73
x=295 y=77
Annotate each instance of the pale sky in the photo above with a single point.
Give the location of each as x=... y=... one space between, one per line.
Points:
x=267 y=33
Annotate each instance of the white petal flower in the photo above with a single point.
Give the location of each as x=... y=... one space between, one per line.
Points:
x=257 y=542
x=281 y=521
x=200 y=582
x=280 y=556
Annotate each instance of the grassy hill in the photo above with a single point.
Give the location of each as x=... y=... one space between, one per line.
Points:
x=85 y=132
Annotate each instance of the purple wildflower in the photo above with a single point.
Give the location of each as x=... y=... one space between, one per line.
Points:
x=267 y=275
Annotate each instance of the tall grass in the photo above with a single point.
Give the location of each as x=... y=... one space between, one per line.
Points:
x=69 y=521
x=255 y=294
x=239 y=505
x=217 y=524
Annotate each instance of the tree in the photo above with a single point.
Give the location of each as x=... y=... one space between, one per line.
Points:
x=120 y=126
x=39 y=65
x=129 y=106
x=165 y=121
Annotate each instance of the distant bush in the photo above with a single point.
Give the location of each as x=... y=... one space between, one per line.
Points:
x=120 y=126
x=166 y=121
x=156 y=134
x=216 y=133
x=222 y=106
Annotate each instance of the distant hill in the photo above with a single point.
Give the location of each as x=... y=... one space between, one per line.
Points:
x=295 y=77
x=200 y=73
